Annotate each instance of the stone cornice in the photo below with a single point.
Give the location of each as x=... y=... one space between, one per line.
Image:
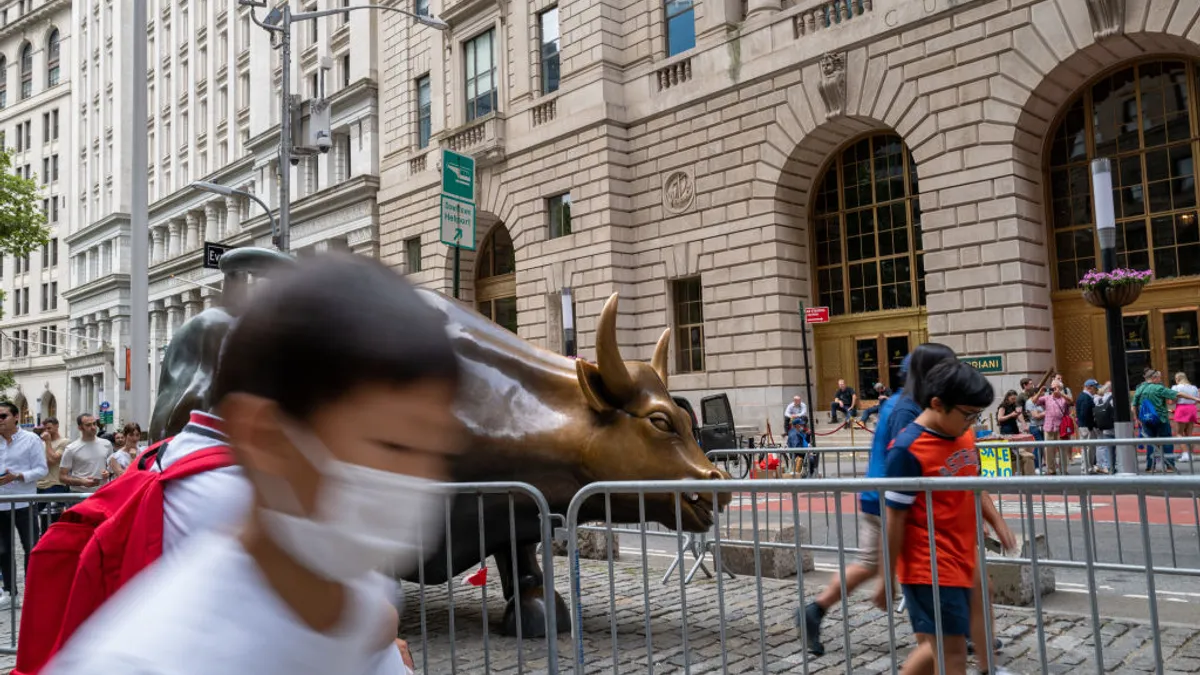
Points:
x=23 y=22
x=96 y=286
x=79 y=236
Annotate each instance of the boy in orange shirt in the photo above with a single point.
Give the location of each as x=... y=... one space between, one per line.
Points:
x=939 y=443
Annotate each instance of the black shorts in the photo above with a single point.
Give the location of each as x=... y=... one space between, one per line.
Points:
x=955 y=604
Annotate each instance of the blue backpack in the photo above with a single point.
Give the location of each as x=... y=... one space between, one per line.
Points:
x=1147 y=413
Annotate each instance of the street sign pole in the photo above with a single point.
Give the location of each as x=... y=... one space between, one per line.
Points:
x=812 y=405
x=457 y=262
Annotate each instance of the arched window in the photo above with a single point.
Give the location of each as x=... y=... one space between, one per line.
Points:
x=3 y=82
x=26 y=71
x=867 y=232
x=1144 y=119
x=52 y=56
x=496 y=279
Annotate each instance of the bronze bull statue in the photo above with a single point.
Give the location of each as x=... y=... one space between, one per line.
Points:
x=532 y=416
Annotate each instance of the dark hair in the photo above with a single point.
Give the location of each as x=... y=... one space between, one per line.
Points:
x=955 y=383
x=12 y=408
x=1025 y=382
x=50 y=420
x=921 y=361
x=79 y=419
x=330 y=324
x=130 y=428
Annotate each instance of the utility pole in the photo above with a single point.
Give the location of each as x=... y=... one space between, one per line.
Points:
x=139 y=229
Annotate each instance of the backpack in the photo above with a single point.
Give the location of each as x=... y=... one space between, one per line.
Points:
x=95 y=548
x=1104 y=416
x=1147 y=413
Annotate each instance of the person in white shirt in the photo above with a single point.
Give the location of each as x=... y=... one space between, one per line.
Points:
x=127 y=449
x=343 y=463
x=1184 y=416
x=795 y=409
x=22 y=465
x=84 y=464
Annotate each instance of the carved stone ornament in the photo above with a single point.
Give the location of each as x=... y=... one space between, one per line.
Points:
x=1108 y=17
x=679 y=191
x=832 y=86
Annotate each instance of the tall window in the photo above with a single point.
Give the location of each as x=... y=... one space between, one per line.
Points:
x=421 y=7
x=681 y=26
x=548 y=25
x=26 y=71
x=412 y=255
x=3 y=82
x=559 y=208
x=688 y=303
x=867 y=229
x=481 y=76
x=52 y=57
x=496 y=279
x=1144 y=119
x=424 y=111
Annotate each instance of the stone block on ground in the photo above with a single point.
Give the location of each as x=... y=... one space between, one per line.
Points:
x=1012 y=583
x=737 y=555
x=593 y=545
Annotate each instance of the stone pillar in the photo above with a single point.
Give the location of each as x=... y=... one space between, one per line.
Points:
x=104 y=329
x=175 y=238
x=90 y=275
x=756 y=8
x=76 y=394
x=192 y=241
x=209 y=299
x=212 y=222
x=156 y=245
x=233 y=215
x=89 y=395
x=174 y=317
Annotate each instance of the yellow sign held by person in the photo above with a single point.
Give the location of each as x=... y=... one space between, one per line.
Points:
x=995 y=460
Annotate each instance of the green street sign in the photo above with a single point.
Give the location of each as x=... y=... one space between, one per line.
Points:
x=985 y=364
x=458 y=223
x=458 y=176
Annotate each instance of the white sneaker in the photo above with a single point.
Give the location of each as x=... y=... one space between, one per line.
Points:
x=5 y=600
x=1001 y=670
x=1185 y=457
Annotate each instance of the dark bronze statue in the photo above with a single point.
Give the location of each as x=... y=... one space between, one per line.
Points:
x=190 y=363
x=532 y=416
x=559 y=424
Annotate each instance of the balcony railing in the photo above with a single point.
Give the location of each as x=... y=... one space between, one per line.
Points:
x=829 y=14
x=482 y=138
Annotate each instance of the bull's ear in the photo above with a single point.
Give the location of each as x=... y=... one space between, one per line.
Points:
x=592 y=386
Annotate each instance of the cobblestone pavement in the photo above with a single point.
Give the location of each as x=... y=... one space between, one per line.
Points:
x=1128 y=646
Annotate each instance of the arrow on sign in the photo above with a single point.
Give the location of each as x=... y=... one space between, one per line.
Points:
x=457 y=233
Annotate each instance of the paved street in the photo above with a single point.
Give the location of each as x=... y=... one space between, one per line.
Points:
x=1128 y=645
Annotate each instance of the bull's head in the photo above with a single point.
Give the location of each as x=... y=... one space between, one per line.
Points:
x=641 y=434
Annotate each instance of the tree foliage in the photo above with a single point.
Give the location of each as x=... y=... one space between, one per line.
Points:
x=22 y=223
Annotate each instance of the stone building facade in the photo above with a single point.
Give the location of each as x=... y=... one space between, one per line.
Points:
x=918 y=166
x=36 y=103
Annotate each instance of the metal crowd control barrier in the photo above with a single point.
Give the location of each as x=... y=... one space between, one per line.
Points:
x=23 y=520
x=439 y=650
x=744 y=623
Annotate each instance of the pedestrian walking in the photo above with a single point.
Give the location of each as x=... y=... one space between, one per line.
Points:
x=1057 y=407
x=1037 y=417
x=295 y=592
x=1184 y=417
x=940 y=443
x=1150 y=403
x=1085 y=417
x=1105 y=417
x=22 y=465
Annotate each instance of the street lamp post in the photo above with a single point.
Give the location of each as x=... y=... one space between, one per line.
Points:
x=225 y=191
x=1106 y=230
x=279 y=21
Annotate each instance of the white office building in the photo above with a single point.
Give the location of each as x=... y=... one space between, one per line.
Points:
x=214 y=108
x=36 y=47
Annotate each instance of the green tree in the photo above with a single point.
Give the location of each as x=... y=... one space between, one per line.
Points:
x=22 y=226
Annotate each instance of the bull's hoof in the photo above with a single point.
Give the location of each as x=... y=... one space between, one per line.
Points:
x=533 y=614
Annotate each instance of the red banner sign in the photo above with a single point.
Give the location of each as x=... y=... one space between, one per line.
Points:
x=816 y=315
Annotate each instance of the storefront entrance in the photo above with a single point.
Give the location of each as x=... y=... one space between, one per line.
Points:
x=865 y=350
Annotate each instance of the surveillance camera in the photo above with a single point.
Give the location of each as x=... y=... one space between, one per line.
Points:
x=324 y=143
x=294 y=160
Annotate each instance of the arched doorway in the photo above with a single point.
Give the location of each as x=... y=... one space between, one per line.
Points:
x=49 y=405
x=867 y=263
x=1145 y=117
x=496 y=278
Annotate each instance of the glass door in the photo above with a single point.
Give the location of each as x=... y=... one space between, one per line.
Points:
x=1182 y=346
x=897 y=349
x=868 y=367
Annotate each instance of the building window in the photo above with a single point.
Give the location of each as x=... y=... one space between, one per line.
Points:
x=867 y=231
x=46 y=175
x=345 y=157
x=53 y=52
x=548 y=27
x=54 y=293
x=54 y=245
x=346 y=70
x=688 y=304
x=412 y=255
x=421 y=7
x=681 y=26
x=496 y=279
x=481 y=76
x=45 y=297
x=26 y=71
x=54 y=124
x=1141 y=118
x=53 y=168
x=424 y=112
x=559 y=209
x=3 y=82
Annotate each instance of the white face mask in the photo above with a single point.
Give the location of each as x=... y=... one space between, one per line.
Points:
x=365 y=519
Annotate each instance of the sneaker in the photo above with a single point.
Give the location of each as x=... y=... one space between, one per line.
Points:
x=5 y=600
x=1185 y=457
x=811 y=616
x=997 y=644
x=1001 y=670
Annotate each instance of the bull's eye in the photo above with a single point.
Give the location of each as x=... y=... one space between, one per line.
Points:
x=662 y=422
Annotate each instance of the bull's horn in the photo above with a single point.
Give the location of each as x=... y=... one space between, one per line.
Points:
x=613 y=371
x=662 y=351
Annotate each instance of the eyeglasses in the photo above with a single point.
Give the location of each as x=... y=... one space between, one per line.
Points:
x=970 y=417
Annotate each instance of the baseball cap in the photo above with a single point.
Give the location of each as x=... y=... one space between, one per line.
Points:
x=1090 y=383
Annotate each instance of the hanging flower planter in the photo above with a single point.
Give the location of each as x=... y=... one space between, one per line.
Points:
x=1118 y=288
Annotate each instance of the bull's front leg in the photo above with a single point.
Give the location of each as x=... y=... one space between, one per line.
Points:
x=529 y=595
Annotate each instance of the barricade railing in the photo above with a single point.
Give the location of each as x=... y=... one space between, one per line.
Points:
x=650 y=629
x=496 y=515
x=28 y=516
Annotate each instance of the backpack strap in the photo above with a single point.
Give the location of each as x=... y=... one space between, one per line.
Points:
x=152 y=453
x=208 y=459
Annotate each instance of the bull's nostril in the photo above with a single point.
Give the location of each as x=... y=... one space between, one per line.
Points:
x=717 y=474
